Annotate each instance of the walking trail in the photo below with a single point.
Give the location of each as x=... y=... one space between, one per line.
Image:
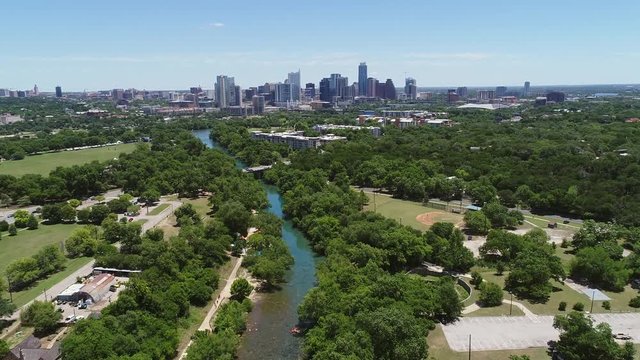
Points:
x=224 y=296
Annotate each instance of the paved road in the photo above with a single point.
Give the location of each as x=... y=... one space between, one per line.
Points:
x=521 y=332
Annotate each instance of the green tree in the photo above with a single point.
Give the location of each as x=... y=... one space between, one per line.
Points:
x=74 y=203
x=82 y=242
x=490 y=294
x=595 y=265
x=21 y=218
x=240 y=289
x=68 y=213
x=531 y=272
x=234 y=216
x=220 y=345
x=477 y=222
x=22 y=273
x=99 y=213
x=6 y=306
x=42 y=316
x=84 y=216
x=394 y=334
x=51 y=213
x=32 y=223
x=580 y=339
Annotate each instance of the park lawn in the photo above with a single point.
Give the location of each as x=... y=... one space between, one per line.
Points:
x=542 y=222
x=158 y=209
x=561 y=293
x=22 y=297
x=43 y=164
x=502 y=310
x=201 y=205
x=29 y=242
x=439 y=350
x=405 y=211
x=619 y=300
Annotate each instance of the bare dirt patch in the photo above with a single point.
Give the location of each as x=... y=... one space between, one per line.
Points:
x=432 y=217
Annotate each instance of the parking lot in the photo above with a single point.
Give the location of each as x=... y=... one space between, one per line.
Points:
x=71 y=310
x=521 y=332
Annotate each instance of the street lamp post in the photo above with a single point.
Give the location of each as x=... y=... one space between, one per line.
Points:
x=510 y=303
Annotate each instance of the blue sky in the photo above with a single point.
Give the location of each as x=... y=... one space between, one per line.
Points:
x=176 y=44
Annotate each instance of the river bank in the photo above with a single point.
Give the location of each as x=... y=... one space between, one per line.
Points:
x=274 y=313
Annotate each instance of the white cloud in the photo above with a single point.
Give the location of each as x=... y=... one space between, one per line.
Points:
x=216 y=25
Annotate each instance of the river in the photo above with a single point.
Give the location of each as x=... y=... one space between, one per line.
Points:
x=267 y=335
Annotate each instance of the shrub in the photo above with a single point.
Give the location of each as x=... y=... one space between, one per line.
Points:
x=490 y=294
x=562 y=306
x=578 y=306
x=13 y=230
x=635 y=302
x=499 y=269
x=476 y=279
x=606 y=305
x=564 y=244
x=4 y=225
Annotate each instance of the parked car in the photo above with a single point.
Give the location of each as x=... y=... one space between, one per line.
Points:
x=621 y=336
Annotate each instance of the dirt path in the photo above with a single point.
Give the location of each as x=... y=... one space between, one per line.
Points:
x=224 y=296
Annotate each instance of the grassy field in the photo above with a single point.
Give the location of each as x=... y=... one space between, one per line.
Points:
x=28 y=242
x=43 y=164
x=158 y=209
x=502 y=310
x=619 y=301
x=201 y=206
x=406 y=211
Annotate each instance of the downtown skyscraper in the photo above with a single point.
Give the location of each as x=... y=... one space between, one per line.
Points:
x=362 y=79
x=293 y=79
x=225 y=89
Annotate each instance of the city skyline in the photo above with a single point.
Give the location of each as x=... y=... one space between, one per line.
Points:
x=168 y=46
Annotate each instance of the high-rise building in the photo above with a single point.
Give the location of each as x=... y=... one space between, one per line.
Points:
x=389 y=90
x=452 y=96
x=4 y=92
x=225 y=88
x=237 y=96
x=462 y=91
x=485 y=95
x=527 y=88
x=117 y=94
x=556 y=96
x=325 y=89
x=36 y=92
x=294 y=80
x=501 y=91
x=258 y=104
x=58 y=91
x=283 y=93
x=410 y=88
x=195 y=90
x=362 y=79
x=310 y=90
x=372 y=86
x=341 y=84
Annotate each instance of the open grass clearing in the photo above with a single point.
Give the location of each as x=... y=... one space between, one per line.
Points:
x=43 y=164
x=158 y=209
x=502 y=310
x=406 y=212
x=439 y=350
x=28 y=242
